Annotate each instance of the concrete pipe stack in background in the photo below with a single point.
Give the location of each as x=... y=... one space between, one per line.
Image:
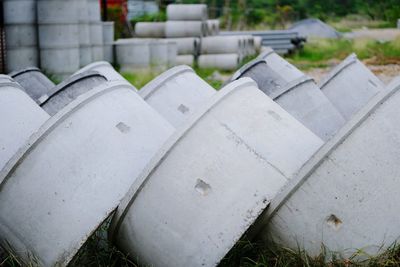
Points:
x=21 y=34
x=150 y=29
x=59 y=36
x=108 y=41
x=96 y=30
x=85 y=47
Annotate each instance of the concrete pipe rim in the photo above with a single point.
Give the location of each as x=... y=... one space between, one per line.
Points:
x=7 y=77
x=331 y=145
x=16 y=73
x=348 y=61
x=45 y=130
x=245 y=68
x=292 y=85
x=155 y=84
x=266 y=53
x=68 y=82
x=92 y=66
x=181 y=132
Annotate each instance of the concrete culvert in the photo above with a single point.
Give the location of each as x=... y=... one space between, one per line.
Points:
x=301 y=97
x=249 y=148
x=187 y=12
x=21 y=117
x=85 y=47
x=177 y=93
x=76 y=168
x=350 y=85
x=70 y=89
x=175 y=29
x=187 y=45
x=221 y=45
x=150 y=29
x=34 y=82
x=108 y=41
x=132 y=54
x=105 y=69
x=356 y=173
x=219 y=61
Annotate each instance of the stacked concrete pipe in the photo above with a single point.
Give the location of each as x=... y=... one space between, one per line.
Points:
x=96 y=30
x=20 y=118
x=249 y=149
x=132 y=54
x=350 y=85
x=177 y=94
x=59 y=36
x=34 y=83
x=108 y=41
x=150 y=29
x=65 y=167
x=188 y=49
x=85 y=47
x=105 y=69
x=300 y=96
x=353 y=175
x=21 y=34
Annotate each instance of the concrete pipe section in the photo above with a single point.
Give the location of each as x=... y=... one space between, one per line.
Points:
x=221 y=45
x=150 y=29
x=34 y=82
x=105 y=69
x=76 y=168
x=185 y=60
x=108 y=41
x=70 y=89
x=301 y=97
x=96 y=30
x=187 y=45
x=212 y=27
x=219 y=61
x=132 y=54
x=21 y=34
x=187 y=12
x=59 y=36
x=350 y=85
x=174 y=29
x=172 y=52
x=21 y=117
x=346 y=197
x=287 y=71
x=177 y=93
x=85 y=47
x=198 y=209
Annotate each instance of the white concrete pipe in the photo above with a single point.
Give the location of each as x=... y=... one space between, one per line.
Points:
x=350 y=85
x=185 y=60
x=21 y=34
x=198 y=209
x=177 y=93
x=287 y=71
x=67 y=91
x=212 y=27
x=346 y=196
x=132 y=54
x=76 y=168
x=257 y=43
x=219 y=61
x=108 y=41
x=96 y=40
x=301 y=97
x=159 y=56
x=172 y=52
x=59 y=36
x=105 y=69
x=221 y=45
x=21 y=117
x=187 y=45
x=150 y=29
x=175 y=29
x=85 y=48
x=187 y=12
x=34 y=83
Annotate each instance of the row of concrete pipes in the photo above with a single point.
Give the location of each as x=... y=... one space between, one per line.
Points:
x=184 y=171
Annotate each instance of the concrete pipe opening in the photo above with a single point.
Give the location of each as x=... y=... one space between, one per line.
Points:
x=249 y=149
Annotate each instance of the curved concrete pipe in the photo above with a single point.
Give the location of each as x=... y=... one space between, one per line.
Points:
x=301 y=98
x=176 y=94
x=175 y=29
x=150 y=29
x=356 y=173
x=187 y=12
x=249 y=148
x=350 y=85
x=70 y=89
x=20 y=118
x=34 y=82
x=76 y=168
x=105 y=69
x=219 y=61
x=287 y=71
